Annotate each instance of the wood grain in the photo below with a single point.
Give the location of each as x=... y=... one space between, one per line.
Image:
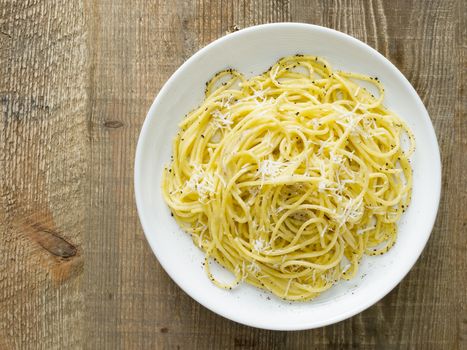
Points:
x=43 y=183
x=76 y=80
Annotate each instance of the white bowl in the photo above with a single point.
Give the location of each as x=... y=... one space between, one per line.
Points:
x=252 y=51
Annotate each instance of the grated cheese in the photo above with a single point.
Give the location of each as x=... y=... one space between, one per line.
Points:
x=270 y=168
x=226 y=102
x=253 y=267
x=351 y=211
x=322 y=186
x=335 y=158
x=259 y=245
x=201 y=182
x=221 y=120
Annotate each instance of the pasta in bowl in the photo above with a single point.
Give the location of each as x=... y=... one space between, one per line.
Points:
x=237 y=167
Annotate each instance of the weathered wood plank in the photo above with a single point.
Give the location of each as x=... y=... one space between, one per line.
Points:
x=43 y=183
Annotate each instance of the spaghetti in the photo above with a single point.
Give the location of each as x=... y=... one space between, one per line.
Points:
x=289 y=178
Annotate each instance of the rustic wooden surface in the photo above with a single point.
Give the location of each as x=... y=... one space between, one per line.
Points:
x=76 y=80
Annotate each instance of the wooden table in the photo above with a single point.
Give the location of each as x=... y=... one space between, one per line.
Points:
x=76 y=80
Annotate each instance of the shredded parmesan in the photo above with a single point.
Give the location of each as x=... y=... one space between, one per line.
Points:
x=352 y=210
x=322 y=186
x=226 y=102
x=259 y=245
x=253 y=267
x=221 y=120
x=269 y=168
x=201 y=182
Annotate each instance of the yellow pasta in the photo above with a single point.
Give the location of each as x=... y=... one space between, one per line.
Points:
x=287 y=179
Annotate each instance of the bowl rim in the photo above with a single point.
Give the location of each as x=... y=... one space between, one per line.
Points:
x=371 y=300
